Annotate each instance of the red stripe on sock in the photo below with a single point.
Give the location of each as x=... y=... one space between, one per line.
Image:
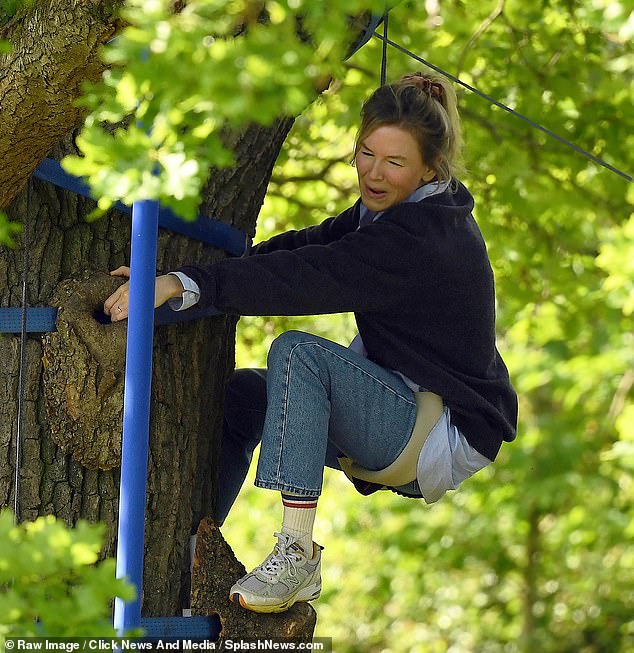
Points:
x=302 y=504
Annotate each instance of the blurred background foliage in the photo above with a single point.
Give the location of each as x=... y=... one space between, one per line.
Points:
x=535 y=553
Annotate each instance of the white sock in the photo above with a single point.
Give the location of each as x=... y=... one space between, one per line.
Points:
x=299 y=517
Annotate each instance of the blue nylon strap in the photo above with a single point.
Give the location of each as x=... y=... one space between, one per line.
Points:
x=197 y=628
x=43 y=319
x=207 y=230
x=38 y=320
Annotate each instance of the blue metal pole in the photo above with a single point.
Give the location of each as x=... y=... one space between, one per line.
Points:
x=136 y=410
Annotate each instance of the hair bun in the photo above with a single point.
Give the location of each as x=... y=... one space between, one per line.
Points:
x=427 y=84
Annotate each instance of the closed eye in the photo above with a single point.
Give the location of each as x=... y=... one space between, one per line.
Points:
x=397 y=164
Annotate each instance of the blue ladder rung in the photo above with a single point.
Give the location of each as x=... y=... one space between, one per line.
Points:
x=182 y=627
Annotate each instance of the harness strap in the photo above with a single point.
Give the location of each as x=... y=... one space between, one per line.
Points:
x=207 y=230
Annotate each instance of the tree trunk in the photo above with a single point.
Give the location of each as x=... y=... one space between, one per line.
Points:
x=215 y=570
x=191 y=362
x=55 y=45
x=531 y=577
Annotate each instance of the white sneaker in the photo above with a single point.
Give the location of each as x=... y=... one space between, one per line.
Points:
x=284 y=578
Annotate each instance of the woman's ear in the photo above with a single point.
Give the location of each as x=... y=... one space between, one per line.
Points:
x=428 y=175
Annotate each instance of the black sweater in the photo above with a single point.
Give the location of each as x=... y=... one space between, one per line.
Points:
x=420 y=284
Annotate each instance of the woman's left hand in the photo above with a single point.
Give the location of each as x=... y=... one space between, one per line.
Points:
x=116 y=306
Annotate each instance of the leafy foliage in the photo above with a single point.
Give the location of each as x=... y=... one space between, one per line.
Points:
x=186 y=79
x=9 y=8
x=51 y=583
x=8 y=229
x=532 y=554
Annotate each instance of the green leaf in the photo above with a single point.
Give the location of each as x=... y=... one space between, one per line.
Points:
x=8 y=230
x=55 y=586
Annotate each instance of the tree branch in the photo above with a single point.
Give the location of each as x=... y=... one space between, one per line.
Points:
x=313 y=176
x=486 y=23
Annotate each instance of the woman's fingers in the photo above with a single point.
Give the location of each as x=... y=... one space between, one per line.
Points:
x=120 y=309
x=116 y=306
x=121 y=271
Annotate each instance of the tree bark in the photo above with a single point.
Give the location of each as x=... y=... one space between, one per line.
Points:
x=191 y=362
x=55 y=48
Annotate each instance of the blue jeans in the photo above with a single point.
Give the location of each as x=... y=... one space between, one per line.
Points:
x=317 y=401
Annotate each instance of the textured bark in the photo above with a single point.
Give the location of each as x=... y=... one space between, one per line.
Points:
x=55 y=47
x=84 y=367
x=215 y=570
x=191 y=362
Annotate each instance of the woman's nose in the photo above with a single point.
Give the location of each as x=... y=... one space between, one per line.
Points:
x=376 y=171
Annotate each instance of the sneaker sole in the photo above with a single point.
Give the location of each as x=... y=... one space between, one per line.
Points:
x=309 y=593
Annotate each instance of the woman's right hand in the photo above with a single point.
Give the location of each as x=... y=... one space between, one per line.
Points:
x=116 y=306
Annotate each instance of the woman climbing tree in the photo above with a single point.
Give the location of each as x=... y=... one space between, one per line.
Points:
x=421 y=399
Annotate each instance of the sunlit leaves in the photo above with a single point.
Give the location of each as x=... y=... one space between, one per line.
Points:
x=617 y=259
x=52 y=583
x=456 y=576
x=460 y=575
x=186 y=77
x=8 y=230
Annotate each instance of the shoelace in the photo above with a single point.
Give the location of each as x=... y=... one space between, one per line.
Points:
x=281 y=558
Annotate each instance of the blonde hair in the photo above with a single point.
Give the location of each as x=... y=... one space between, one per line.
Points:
x=425 y=105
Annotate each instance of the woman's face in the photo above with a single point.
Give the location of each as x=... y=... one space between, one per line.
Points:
x=390 y=167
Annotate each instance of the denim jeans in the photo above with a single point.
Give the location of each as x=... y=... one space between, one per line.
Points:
x=316 y=401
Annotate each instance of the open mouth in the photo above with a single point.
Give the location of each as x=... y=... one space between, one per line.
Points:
x=375 y=193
